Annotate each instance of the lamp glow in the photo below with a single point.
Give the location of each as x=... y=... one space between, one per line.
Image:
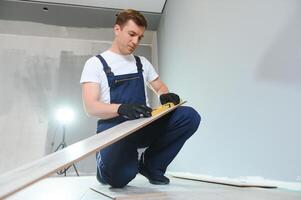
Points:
x=65 y=115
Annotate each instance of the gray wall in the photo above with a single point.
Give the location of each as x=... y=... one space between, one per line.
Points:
x=238 y=63
x=40 y=68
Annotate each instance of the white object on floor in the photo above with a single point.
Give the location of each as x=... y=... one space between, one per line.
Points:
x=253 y=181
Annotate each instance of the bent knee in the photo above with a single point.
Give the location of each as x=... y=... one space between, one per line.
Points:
x=121 y=180
x=192 y=116
x=120 y=177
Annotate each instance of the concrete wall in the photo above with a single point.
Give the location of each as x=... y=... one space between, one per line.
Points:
x=40 y=68
x=238 y=63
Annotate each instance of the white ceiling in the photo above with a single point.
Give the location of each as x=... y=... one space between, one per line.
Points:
x=79 y=13
x=155 y=6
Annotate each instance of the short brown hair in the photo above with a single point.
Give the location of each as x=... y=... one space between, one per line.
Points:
x=124 y=16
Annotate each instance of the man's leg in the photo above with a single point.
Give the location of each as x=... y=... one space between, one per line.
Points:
x=117 y=164
x=167 y=137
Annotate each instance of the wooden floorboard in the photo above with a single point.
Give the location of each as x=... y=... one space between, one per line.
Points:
x=224 y=180
x=181 y=189
x=78 y=188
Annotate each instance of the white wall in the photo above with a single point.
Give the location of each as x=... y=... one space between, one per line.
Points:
x=238 y=63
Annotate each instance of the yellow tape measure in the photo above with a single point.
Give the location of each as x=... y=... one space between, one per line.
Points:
x=162 y=108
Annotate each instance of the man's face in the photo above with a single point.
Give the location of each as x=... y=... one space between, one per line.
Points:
x=128 y=37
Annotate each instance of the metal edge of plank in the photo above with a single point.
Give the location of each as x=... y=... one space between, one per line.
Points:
x=26 y=175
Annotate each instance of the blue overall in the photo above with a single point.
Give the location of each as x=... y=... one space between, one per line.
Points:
x=118 y=164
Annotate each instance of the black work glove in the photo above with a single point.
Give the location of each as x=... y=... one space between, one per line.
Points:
x=134 y=111
x=169 y=98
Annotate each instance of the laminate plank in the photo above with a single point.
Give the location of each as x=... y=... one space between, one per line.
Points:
x=223 y=180
x=28 y=174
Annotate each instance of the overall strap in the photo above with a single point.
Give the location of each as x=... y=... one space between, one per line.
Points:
x=107 y=70
x=138 y=64
x=106 y=67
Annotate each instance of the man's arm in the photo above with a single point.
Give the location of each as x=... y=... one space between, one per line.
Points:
x=162 y=91
x=93 y=106
x=159 y=86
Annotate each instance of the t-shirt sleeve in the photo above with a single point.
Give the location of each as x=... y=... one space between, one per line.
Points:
x=91 y=71
x=150 y=72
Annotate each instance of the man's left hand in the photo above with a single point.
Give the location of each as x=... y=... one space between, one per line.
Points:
x=169 y=98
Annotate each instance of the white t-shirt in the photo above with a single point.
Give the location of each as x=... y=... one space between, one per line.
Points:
x=119 y=64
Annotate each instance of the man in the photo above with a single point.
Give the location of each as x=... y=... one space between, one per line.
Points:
x=113 y=89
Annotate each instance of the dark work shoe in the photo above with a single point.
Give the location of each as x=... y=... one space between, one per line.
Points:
x=153 y=179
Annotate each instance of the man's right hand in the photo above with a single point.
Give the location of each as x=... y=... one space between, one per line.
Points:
x=134 y=111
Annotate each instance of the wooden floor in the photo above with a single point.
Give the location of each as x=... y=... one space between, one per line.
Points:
x=87 y=188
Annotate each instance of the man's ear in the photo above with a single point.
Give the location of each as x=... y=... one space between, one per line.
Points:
x=117 y=29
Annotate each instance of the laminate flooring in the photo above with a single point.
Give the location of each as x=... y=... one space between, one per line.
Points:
x=87 y=188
